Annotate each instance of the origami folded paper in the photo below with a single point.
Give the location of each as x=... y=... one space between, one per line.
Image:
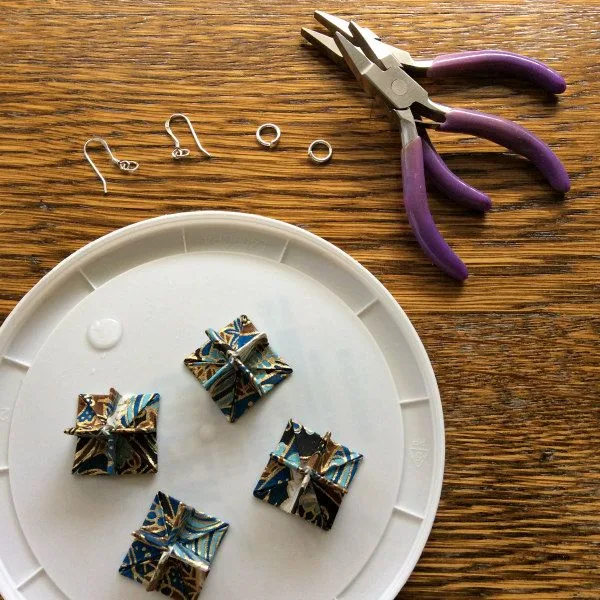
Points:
x=116 y=435
x=237 y=367
x=308 y=475
x=173 y=550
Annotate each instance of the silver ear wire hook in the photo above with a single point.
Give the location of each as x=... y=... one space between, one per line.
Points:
x=124 y=165
x=178 y=151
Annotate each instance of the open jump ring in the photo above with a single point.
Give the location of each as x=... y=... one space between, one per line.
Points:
x=320 y=159
x=268 y=143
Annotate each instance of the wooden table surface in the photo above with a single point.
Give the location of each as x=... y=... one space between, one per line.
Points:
x=514 y=348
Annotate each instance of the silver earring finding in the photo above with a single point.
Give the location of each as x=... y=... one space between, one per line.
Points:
x=178 y=151
x=124 y=165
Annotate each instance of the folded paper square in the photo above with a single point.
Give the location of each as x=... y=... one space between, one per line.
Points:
x=237 y=367
x=308 y=475
x=116 y=435
x=173 y=550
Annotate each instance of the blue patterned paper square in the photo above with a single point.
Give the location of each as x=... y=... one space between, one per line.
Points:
x=237 y=366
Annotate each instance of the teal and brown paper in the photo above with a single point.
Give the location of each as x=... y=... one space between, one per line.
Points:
x=173 y=550
x=237 y=367
x=116 y=435
x=308 y=475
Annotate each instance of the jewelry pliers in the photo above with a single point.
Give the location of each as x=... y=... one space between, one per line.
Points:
x=383 y=69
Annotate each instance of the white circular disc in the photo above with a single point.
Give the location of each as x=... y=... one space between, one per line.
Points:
x=360 y=371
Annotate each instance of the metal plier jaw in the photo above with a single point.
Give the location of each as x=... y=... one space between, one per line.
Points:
x=397 y=88
x=380 y=68
x=457 y=63
x=389 y=55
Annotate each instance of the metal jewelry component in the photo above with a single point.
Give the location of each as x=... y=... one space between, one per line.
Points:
x=124 y=165
x=178 y=151
x=320 y=159
x=268 y=143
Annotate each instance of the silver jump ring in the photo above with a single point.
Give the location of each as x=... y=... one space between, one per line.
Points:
x=320 y=159
x=128 y=165
x=180 y=153
x=268 y=143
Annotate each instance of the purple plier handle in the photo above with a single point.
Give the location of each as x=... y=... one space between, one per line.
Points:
x=447 y=182
x=419 y=215
x=498 y=62
x=418 y=154
x=513 y=137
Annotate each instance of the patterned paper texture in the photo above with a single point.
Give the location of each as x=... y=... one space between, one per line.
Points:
x=237 y=367
x=173 y=550
x=308 y=475
x=116 y=435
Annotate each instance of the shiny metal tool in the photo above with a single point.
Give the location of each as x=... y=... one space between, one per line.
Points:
x=383 y=69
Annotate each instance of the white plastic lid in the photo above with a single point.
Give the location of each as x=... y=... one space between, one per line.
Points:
x=360 y=371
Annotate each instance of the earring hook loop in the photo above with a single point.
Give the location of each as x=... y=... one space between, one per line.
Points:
x=124 y=165
x=178 y=151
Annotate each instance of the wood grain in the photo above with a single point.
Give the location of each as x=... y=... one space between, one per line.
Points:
x=514 y=349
